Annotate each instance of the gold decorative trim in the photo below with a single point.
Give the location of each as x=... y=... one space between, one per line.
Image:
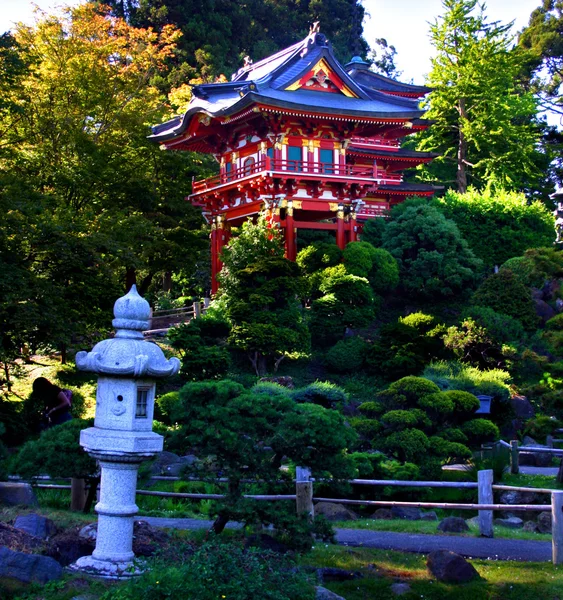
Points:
x=333 y=206
x=298 y=204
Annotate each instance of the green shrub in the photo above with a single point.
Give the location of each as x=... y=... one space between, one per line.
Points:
x=451 y=451
x=540 y=427
x=465 y=404
x=373 y=231
x=406 y=392
x=555 y=323
x=480 y=431
x=377 y=265
x=318 y=255
x=371 y=408
x=536 y=266
x=325 y=393
x=218 y=570
x=366 y=428
x=504 y=293
x=347 y=355
x=269 y=388
x=165 y=404
x=499 y=326
x=453 y=434
x=408 y=445
x=402 y=419
x=438 y=404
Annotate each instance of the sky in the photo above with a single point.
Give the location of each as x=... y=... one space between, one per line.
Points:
x=403 y=23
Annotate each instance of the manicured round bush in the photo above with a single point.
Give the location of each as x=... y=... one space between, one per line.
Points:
x=396 y=420
x=321 y=392
x=165 y=404
x=408 y=445
x=464 y=403
x=452 y=451
x=502 y=328
x=269 y=388
x=406 y=392
x=366 y=428
x=453 y=434
x=420 y=321
x=555 y=323
x=480 y=431
x=437 y=404
x=371 y=408
x=347 y=355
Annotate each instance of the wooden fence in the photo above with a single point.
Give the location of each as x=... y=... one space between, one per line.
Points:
x=304 y=499
x=162 y=320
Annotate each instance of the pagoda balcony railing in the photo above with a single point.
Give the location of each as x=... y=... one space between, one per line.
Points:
x=307 y=168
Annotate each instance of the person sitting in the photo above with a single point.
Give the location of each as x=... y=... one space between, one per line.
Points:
x=57 y=402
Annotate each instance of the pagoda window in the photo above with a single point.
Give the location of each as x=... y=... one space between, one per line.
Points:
x=270 y=152
x=248 y=165
x=294 y=158
x=228 y=170
x=326 y=158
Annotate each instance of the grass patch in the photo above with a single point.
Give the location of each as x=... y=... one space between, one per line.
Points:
x=500 y=580
x=532 y=481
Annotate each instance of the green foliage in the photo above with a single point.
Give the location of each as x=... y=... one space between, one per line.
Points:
x=434 y=260
x=375 y=264
x=501 y=328
x=472 y=344
x=269 y=388
x=555 y=323
x=317 y=256
x=483 y=121
x=457 y=376
x=451 y=451
x=465 y=404
x=536 y=266
x=347 y=355
x=56 y=453
x=371 y=408
x=165 y=404
x=396 y=420
x=408 y=445
x=367 y=429
x=437 y=404
x=499 y=225
x=373 y=231
x=324 y=393
x=541 y=426
x=406 y=392
x=219 y=570
x=504 y=293
x=480 y=431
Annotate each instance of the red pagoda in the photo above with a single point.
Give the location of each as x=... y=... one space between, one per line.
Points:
x=312 y=143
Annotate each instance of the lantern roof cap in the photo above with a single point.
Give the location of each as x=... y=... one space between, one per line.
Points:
x=128 y=354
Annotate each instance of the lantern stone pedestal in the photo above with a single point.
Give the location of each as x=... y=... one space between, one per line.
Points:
x=122 y=436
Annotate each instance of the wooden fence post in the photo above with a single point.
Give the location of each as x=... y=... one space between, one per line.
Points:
x=304 y=492
x=549 y=441
x=514 y=457
x=197 y=310
x=557 y=527
x=77 y=494
x=485 y=496
x=206 y=302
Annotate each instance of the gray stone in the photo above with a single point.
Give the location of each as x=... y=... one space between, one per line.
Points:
x=453 y=525
x=530 y=527
x=408 y=513
x=529 y=441
x=450 y=567
x=333 y=511
x=511 y=497
x=522 y=407
x=400 y=589
x=473 y=521
x=164 y=460
x=382 y=514
x=89 y=532
x=559 y=305
x=540 y=459
x=14 y=494
x=36 y=525
x=543 y=310
x=544 y=522
x=510 y=523
x=324 y=594
x=429 y=516
x=28 y=568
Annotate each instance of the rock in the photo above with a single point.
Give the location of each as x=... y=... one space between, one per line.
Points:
x=400 y=589
x=453 y=525
x=333 y=574
x=36 y=525
x=284 y=380
x=89 y=532
x=510 y=523
x=384 y=514
x=23 y=568
x=541 y=459
x=14 y=494
x=163 y=461
x=522 y=407
x=473 y=521
x=68 y=547
x=175 y=469
x=537 y=294
x=324 y=594
x=544 y=522
x=543 y=310
x=429 y=516
x=266 y=542
x=530 y=526
x=559 y=305
x=521 y=498
x=450 y=567
x=408 y=513
x=334 y=512
x=529 y=441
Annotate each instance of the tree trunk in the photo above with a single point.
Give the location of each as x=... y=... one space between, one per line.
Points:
x=63 y=354
x=461 y=151
x=167 y=281
x=219 y=524
x=92 y=491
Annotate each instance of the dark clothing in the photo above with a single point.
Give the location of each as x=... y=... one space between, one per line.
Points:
x=61 y=415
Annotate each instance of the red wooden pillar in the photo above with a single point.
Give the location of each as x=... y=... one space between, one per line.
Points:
x=214 y=285
x=220 y=242
x=340 y=235
x=290 y=252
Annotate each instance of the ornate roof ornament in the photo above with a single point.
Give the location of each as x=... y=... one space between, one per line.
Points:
x=128 y=354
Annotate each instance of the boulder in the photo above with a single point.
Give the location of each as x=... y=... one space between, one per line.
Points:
x=20 y=568
x=89 y=532
x=510 y=523
x=322 y=593
x=530 y=527
x=68 y=547
x=544 y=522
x=543 y=310
x=529 y=441
x=175 y=469
x=162 y=461
x=453 y=525
x=333 y=511
x=400 y=589
x=409 y=513
x=14 y=494
x=36 y=525
x=382 y=514
x=429 y=516
x=538 y=459
x=559 y=305
x=450 y=567
x=511 y=497
x=522 y=407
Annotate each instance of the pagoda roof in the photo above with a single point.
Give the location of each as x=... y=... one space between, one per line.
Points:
x=408 y=188
x=399 y=154
x=304 y=78
x=360 y=72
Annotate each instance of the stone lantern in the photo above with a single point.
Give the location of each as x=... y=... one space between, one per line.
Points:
x=122 y=435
